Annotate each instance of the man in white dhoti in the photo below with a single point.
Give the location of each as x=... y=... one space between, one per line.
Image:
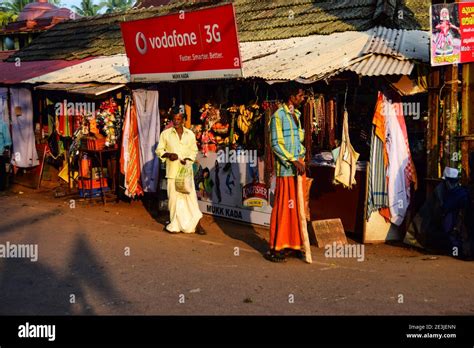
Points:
x=178 y=146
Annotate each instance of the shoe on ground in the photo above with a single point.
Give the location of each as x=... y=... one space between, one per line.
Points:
x=200 y=231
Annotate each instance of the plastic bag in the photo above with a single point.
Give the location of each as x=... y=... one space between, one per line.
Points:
x=184 y=179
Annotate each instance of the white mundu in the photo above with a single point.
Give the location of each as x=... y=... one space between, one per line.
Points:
x=184 y=209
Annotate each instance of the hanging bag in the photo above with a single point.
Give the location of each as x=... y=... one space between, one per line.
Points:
x=184 y=179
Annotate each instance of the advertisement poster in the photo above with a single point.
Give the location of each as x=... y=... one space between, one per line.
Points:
x=200 y=44
x=445 y=35
x=466 y=15
x=233 y=190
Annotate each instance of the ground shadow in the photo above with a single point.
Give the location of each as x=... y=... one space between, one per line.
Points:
x=28 y=221
x=35 y=288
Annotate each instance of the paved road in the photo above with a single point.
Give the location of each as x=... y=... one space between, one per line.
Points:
x=83 y=267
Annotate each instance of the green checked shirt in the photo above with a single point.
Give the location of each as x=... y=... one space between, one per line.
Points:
x=287 y=140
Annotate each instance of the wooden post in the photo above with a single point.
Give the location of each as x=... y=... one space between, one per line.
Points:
x=467 y=131
x=451 y=155
x=432 y=134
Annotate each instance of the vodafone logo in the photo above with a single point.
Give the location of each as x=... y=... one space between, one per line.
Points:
x=140 y=42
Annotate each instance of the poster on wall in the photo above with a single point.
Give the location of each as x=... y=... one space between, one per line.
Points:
x=452 y=33
x=233 y=189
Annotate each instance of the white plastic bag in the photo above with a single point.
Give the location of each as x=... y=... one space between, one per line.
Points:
x=184 y=179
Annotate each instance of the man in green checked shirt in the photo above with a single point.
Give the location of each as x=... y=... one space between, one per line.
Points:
x=287 y=138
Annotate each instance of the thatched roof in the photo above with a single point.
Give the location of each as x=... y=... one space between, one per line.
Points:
x=256 y=19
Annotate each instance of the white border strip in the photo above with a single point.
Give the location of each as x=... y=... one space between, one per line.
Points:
x=187 y=75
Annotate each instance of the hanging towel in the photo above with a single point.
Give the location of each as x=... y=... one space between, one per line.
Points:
x=148 y=115
x=347 y=160
x=124 y=156
x=377 y=184
x=24 y=149
x=398 y=160
x=131 y=154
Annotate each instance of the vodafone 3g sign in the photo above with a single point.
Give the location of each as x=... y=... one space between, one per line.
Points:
x=194 y=45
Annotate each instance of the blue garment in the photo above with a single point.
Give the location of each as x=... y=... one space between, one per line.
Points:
x=5 y=138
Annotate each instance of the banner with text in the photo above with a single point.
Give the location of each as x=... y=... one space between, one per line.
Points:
x=452 y=33
x=201 y=44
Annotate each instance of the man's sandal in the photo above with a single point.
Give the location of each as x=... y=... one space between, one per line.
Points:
x=273 y=257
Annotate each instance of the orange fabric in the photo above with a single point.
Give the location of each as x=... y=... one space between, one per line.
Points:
x=133 y=165
x=385 y=212
x=379 y=123
x=285 y=231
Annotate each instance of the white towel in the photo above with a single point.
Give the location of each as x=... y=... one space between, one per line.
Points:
x=23 y=137
x=398 y=159
x=149 y=131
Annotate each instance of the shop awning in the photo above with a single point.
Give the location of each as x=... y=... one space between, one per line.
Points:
x=377 y=52
x=111 y=69
x=85 y=88
x=21 y=72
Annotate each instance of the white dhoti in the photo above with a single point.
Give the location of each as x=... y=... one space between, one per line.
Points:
x=184 y=209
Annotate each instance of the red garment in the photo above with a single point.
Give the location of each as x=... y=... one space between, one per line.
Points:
x=285 y=231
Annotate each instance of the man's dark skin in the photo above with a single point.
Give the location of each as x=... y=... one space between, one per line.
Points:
x=293 y=102
x=178 y=125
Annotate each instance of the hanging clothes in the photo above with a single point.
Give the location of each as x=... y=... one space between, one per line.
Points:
x=130 y=157
x=146 y=103
x=24 y=149
x=377 y=184
x=346 y=162
x=398 y=161
x=124 y=155
x=4 y=105
x=377 y=181
x=321 y=116
x=410 y=171
x=331 y=123
x=308 y=121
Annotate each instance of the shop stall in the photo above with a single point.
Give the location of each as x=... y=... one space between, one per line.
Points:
x=81 y=127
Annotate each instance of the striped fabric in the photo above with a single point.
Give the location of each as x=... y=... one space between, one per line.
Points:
x=377 y=185
x=287 y=139
x=133 y=165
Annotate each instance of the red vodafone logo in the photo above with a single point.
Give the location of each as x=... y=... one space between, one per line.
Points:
x=140 y=42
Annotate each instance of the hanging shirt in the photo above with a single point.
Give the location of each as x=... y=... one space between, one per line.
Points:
x=185 y=147
x=287 y=139
x=5 y=138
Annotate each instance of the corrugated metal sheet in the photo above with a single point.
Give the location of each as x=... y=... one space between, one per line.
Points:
x=376 y=52
x=19 y=72
x=405 y=44
x=111 y=69
x=378 y=65
x=305 y=59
